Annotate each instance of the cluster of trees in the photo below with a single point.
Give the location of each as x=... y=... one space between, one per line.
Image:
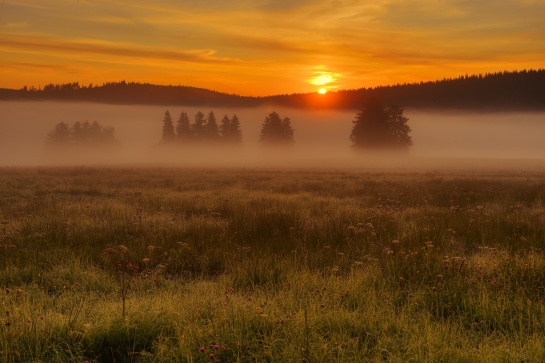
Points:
x=379 y=127
x=276 y=130
x=202 y=130
x=375 y=127
x=81 y=134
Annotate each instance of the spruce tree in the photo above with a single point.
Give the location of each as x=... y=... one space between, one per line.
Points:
x=225 y=129
x=60 y=136
x=168 y=129
x=211 y=128
x=235 y=132
x=379 y=127
x=276 y=131
x=199 y=127
x=183 y=129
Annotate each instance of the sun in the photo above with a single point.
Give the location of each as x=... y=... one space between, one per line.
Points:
x=322 y=91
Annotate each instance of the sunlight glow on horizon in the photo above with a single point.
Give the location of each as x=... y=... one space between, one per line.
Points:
x=265 y=47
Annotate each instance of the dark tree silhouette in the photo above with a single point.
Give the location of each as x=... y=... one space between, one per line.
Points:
x=377 y=127
x=199 y=127
x=225 y=128
x=234 y=130
x=183 y=129
x=81 y=134
x=60 y=136
x=211 y=128
x=168 y=129
x=77 y=132
x=276 y=131
x=230 y=130
x=517 y=90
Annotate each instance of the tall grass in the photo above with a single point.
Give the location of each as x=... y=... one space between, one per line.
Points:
x=279 y=266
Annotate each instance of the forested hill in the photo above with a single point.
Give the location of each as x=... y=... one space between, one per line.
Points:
x=129 y=93
x=522 y=90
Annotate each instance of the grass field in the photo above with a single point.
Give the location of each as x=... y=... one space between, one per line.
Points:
x=174 y=265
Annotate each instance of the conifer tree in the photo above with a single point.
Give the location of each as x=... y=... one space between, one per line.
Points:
x=60 y=136
x=379 y=127
x=168 y=129
x=77 y=132
x=183 y=129
x=276 y=131
x=225 y=129
x=199 y=127
x=235 y=132
x=211 y=128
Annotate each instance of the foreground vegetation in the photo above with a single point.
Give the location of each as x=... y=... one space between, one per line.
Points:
x=105 y=265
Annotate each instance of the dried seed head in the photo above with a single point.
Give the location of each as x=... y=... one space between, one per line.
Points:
x=123 y=249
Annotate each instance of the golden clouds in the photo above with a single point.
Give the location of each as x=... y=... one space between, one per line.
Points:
x=249 y=47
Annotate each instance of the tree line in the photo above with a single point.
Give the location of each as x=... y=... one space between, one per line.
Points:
x=517 y=90
x=374 y=127
x=202 y=130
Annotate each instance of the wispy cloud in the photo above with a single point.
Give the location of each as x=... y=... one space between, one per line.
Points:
x=86 y=46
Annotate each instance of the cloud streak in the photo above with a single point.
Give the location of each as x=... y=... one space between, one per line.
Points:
x=85 y=46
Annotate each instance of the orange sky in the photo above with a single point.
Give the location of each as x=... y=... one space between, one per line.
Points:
x=265 y=47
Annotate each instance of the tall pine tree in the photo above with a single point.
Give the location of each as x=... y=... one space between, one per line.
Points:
x=199 y=127
x=212 y=132
x=225 y=128
x=234 y=130
x=168 y=129
x=184 y=134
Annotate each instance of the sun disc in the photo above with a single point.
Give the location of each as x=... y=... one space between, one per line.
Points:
x=322 y=91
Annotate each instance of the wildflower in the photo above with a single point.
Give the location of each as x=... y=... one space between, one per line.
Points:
x=123 y=248
x=42 y=317
x=109 y=252
x=202 y=349
x=145 y=260
x=211 y=356
x=7 y=290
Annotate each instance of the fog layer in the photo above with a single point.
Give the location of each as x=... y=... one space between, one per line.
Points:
x=439 y=139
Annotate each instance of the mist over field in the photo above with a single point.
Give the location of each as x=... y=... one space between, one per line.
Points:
x=321 y=137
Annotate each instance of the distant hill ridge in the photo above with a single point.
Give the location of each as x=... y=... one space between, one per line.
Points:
x=517 y=90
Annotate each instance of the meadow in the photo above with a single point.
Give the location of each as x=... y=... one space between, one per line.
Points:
x=257 y=265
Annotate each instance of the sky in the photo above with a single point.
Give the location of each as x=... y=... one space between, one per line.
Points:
x=265 y=47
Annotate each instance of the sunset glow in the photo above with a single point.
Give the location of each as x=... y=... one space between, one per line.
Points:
x=265 y=47
x=323 y=78
x=322 y=91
